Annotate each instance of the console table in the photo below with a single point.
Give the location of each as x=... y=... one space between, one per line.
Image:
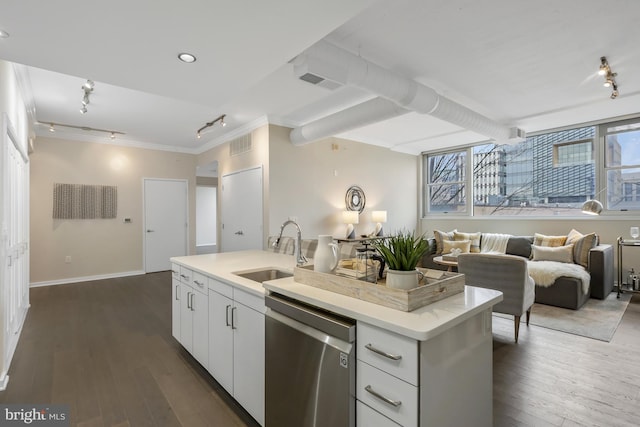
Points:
x=625 y=287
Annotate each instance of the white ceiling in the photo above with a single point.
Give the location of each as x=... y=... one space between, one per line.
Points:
x=531 y=64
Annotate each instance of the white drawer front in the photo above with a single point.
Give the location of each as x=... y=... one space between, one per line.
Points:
x=251 y=301
x=393 y=353
x=186 y=275
x=200 y=282
x=367 y=417
x=221 y=288
x=175 y=271
x=387 y=394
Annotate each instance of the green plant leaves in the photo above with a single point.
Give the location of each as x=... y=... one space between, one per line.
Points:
x=402 y=251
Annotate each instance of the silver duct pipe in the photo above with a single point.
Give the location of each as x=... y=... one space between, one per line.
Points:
x=329 y=62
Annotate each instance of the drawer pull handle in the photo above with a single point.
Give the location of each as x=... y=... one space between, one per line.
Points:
x=184 y=277
x=394 y=403
x=370 y=347
x=198 y=283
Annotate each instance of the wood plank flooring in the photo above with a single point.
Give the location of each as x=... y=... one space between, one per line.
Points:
x=105 y=348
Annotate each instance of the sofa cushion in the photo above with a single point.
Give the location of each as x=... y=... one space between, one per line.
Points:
x=582 y=244
x=550 y=253
x=440 y=236
x=463 y=245
x=519 y=245
x=473 y=238
x=543 y=240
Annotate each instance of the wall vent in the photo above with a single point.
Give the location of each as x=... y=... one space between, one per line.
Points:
x=240 y=145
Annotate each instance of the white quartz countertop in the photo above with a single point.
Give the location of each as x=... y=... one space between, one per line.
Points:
x=421 y=324
x=222 y=266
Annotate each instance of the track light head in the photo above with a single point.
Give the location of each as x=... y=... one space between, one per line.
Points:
x=83 y=110
x=609 y=77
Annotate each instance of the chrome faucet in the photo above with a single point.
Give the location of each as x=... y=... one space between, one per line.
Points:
x=300 y=259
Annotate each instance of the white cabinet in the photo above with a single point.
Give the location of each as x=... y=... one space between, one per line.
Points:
x=236 y=345
x=387 y=376
x=194 y=312
x=221 y=337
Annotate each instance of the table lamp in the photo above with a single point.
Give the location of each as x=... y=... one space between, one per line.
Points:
x=379 y=217
x=350 y=218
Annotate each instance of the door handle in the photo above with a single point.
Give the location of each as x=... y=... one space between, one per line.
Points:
x=370 y=347
x=385 y=399
x=227 y=315
x=233 y=323
x=150 y=231
x=239 y=233
x=192 y=295
x=177 y=292
x=189 y=300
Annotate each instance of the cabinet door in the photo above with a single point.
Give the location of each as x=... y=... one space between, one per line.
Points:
x=186 y=318
x=175 y=309
x=221 y=340
x=200 y=310
x=248 y=369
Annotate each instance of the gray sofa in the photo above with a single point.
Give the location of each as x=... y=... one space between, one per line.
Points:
x=566 y=292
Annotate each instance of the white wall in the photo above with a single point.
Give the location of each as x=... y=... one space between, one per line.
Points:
x=309 y=182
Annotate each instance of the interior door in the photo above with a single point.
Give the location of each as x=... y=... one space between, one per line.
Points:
x=242 y=210
x=165 y=222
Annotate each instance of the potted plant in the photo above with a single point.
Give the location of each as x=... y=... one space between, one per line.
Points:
x=401 y=254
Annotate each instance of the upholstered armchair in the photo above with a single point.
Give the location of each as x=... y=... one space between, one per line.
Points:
x=505 y=273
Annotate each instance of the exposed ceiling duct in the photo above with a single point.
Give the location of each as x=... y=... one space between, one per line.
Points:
x=330 y=63
x=369 y=112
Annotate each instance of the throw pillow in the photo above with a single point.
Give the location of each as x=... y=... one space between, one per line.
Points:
x=553 y=253
x=519 y=245
x=582 y=244
x=463 y=245
x=474 y=238
x=554 y=241
x=440 y=236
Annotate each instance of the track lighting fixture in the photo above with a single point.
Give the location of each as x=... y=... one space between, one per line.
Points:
x=609 y=77
x=87 y=88
x=211 y=123
x=112 y=133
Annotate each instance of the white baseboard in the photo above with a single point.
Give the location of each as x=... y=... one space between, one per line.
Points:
x=85 y=278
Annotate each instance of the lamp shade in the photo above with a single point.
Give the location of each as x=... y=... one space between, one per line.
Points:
x=379 y=216
x=350 y=217
x=592 y=207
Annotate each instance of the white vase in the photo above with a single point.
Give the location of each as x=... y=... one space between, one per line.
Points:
x=325 y=259
x=403 y=279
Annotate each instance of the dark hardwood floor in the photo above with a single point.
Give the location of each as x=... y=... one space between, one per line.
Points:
x=105 y=348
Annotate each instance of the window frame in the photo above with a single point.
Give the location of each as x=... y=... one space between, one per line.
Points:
x=598 y=159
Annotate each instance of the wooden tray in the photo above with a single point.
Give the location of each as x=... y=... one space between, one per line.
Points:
x=431 y=289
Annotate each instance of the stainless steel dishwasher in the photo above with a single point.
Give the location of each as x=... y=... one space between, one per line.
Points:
x=309 y=364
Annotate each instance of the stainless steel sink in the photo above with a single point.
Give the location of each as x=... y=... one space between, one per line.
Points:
x=264 y=274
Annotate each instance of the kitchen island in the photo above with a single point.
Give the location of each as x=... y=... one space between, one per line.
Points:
x=442 y=377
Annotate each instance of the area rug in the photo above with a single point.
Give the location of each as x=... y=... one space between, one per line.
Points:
x=597 y=319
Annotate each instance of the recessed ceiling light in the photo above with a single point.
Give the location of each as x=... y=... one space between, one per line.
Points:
x=3 y=34
x=187 y=57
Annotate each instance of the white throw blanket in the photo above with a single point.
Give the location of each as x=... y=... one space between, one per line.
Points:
x=545 y=273
x=494 y=243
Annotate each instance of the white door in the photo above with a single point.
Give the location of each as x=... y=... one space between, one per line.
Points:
x=242 y=210
x=165 y=222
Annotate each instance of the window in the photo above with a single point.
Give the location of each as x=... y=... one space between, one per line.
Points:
x=622 y=164
x=445 y=187
x=548 y=174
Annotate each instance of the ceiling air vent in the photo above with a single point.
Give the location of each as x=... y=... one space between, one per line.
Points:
x=319 y=81
x=240 y=145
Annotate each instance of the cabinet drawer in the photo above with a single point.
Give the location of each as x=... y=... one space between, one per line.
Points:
x=186 y=275
x=199 y=282
x=388 y=351
x=221 y=288
x=250 y=300
x=175 y=271
x=367 y=417
x=387 y=394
